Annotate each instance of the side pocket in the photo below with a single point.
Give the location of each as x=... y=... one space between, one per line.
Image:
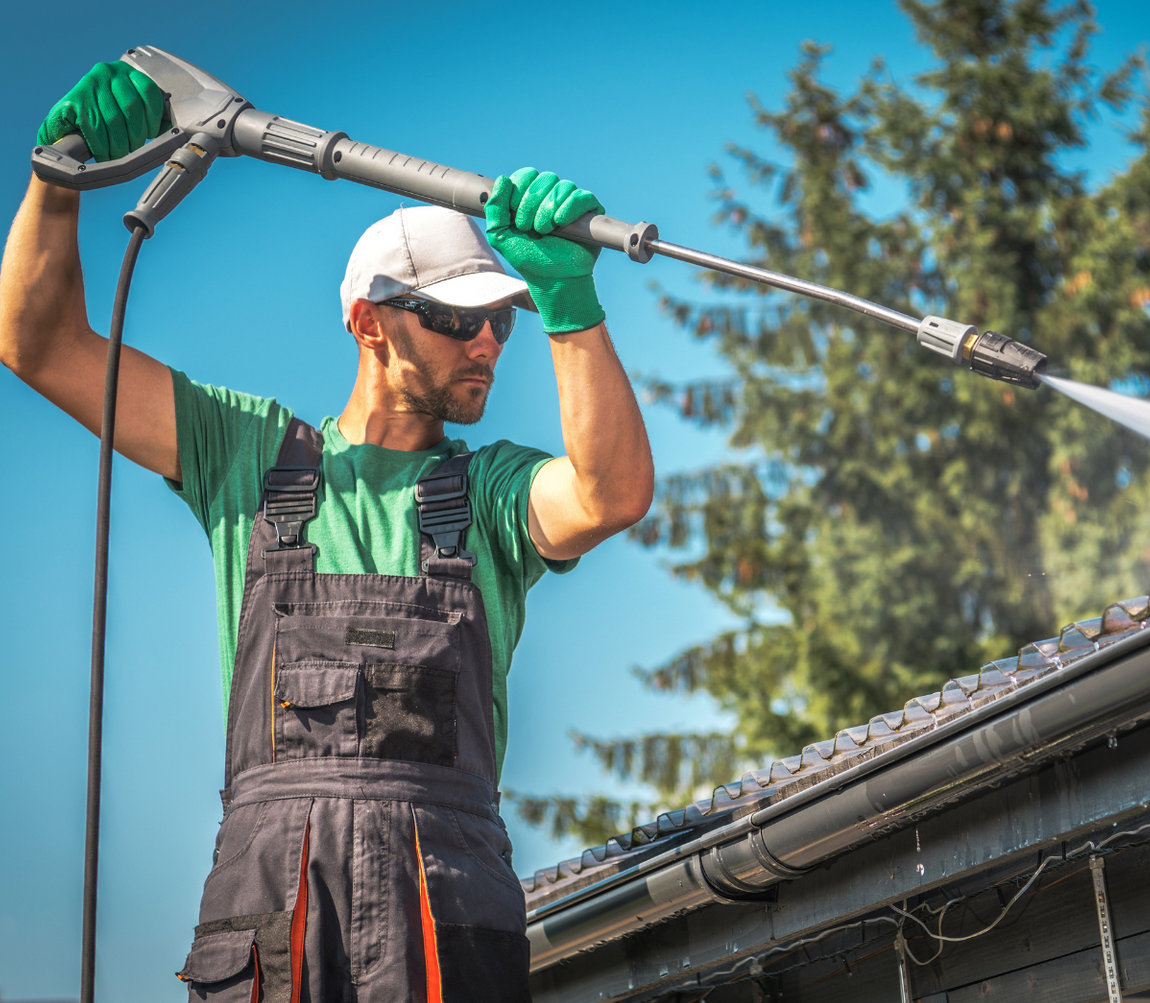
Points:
x=245 y=959
x=468 y=882
x=238 y=832
x=222 y=967
x=488 y=845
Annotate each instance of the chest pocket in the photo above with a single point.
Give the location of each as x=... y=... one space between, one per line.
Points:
x=361 y=685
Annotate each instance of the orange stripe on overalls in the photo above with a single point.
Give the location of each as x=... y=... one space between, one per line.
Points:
x=299 y=921
x=430 y=945
x=256 y=980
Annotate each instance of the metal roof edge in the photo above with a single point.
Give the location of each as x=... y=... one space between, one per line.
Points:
x=734 y=859
x=1103 y=654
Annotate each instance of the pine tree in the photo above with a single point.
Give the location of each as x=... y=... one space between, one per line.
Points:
x=902 y=521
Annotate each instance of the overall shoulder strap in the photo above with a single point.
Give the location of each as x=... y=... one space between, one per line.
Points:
x=302 y=446
x=289 y=500
x=444 y=515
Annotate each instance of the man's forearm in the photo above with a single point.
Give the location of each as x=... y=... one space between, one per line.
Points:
x=606 y=481
x=45 y=338
x=41 y=283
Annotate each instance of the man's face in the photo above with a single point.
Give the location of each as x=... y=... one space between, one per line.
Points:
x=436 y=375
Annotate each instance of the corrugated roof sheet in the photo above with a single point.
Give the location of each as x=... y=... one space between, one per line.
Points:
x=785 y=777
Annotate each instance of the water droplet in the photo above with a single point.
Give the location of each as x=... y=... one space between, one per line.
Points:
x=921 y=870
x=1113 y=743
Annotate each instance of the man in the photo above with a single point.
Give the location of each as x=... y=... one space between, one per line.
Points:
x=371 y=574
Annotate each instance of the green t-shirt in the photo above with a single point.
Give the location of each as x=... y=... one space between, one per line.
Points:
x=366 y=522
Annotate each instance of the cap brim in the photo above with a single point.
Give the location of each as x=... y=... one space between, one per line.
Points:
x=479 y=289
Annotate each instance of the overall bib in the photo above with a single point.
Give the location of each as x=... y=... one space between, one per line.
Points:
x=361 y=857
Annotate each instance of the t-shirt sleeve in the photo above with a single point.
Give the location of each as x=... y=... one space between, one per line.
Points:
x=505 y=474
x=215 y=427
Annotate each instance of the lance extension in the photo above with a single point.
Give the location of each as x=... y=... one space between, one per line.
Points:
x=209 y=119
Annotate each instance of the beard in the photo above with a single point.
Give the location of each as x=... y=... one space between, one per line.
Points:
x=446 y=401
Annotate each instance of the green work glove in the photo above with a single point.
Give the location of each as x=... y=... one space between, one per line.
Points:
x=115 y=107
x=522 y=210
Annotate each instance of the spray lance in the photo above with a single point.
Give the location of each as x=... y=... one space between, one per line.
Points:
x=208 y=119
x=211 y=120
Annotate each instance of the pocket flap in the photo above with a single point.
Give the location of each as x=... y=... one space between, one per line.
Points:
x=218 y=956
x=362 y=639
x=316 y=683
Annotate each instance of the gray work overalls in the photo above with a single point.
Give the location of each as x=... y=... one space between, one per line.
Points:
x=361 y=857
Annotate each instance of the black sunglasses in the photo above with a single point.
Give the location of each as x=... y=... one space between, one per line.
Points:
x=460 y=323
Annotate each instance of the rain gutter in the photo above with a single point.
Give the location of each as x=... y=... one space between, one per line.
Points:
x=1092 y=696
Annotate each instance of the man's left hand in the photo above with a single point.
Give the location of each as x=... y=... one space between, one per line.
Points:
x=522 y=213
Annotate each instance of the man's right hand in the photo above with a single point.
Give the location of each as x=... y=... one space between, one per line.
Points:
x=116 y=108
x=45 y=338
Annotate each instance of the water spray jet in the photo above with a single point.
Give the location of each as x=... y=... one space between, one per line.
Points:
x=1131 y=412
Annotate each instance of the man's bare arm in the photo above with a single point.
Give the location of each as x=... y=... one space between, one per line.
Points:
x=45 y=338
x=606 y=481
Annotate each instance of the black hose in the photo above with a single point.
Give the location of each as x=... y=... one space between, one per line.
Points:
x=99 y=620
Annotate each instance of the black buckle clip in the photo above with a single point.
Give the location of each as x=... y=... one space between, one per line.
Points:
x=289 y=504
x=445 y=516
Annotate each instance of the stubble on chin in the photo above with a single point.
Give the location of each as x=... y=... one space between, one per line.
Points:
x=442 y=399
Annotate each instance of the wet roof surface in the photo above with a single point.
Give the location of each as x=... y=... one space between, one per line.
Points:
x=786 y=777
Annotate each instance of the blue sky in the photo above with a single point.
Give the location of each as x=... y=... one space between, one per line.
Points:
x=239 y=287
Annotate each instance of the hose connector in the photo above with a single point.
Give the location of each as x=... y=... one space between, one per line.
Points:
x=991 y=354
x=183 y=171
x=945 y=336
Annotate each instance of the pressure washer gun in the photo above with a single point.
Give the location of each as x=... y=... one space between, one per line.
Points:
x=209 y=119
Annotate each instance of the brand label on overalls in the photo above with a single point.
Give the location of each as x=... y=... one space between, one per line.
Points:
x=371 y=638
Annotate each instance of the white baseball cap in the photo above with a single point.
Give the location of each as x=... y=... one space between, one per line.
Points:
x=435 y=253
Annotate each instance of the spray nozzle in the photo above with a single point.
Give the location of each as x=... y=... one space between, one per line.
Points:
x=1003 y=358
x=991 y=354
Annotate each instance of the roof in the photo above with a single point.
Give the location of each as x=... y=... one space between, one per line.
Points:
x=785 y=778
